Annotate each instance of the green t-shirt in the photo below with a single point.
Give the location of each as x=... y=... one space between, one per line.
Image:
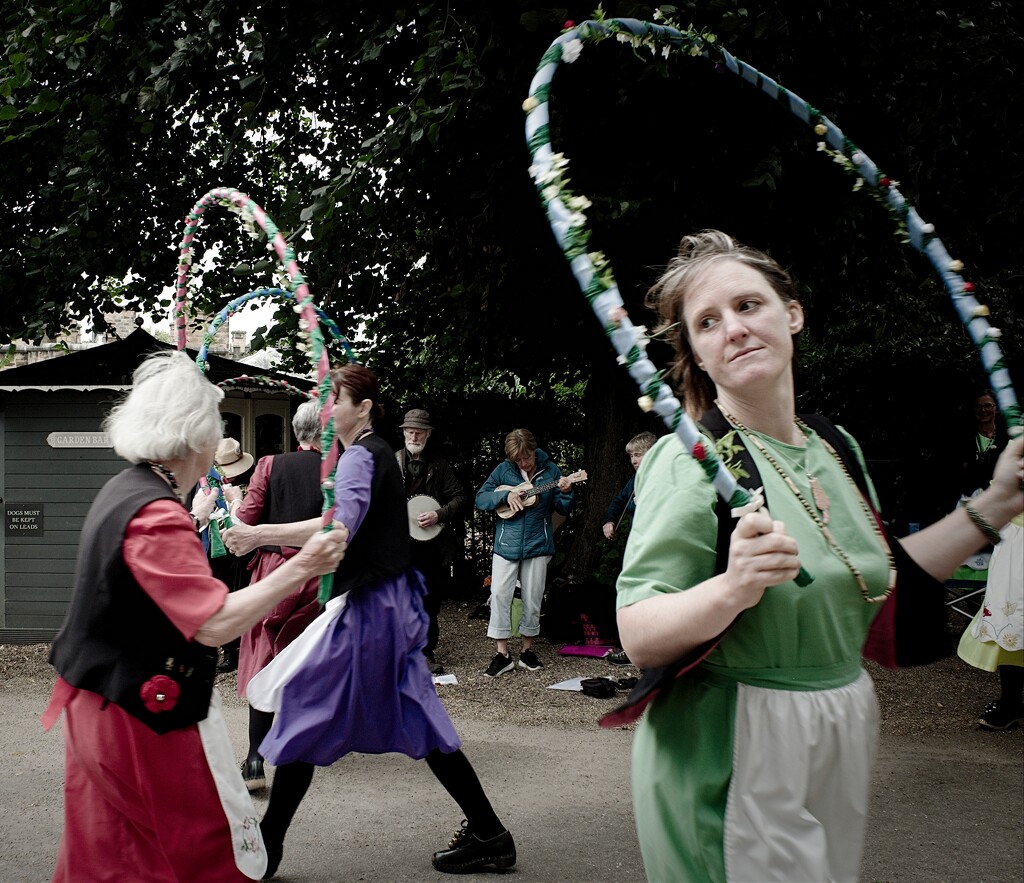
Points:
x=806 y=637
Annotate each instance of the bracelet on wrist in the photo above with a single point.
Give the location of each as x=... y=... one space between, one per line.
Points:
x=983 y=524
x=196 y=522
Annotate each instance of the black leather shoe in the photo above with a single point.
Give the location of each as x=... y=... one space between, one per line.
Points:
x=466 y=853
x=229 y=663
x=253 y=774
x=433 y=666
x=1000 y=715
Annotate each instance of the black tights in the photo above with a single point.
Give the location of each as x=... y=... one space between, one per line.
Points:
x=260 y=723
x=1011 y=683
x=453 y=771
x=456 y=773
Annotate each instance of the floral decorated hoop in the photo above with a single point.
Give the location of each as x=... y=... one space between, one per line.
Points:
x=566 y=214
x=269 y=382
x=266 y=293
x=252 y=217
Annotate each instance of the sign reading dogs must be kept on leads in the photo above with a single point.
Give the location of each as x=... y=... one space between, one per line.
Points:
x=23 y=518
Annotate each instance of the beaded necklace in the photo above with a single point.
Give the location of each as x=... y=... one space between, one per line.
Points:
x=160 y=469
x=822 y=505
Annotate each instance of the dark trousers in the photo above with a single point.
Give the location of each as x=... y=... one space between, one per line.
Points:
x=426 y=558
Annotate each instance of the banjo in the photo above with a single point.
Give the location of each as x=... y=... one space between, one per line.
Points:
x=416 y=506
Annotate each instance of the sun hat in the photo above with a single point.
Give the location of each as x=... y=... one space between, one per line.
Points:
x=417 y=418
x=231 y=460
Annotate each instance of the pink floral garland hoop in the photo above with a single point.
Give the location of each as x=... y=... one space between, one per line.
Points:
x=252 y=217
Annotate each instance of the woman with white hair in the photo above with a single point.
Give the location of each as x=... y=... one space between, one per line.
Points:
x=151 y=791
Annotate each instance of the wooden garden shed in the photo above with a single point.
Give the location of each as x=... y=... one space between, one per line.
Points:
x=54 y=457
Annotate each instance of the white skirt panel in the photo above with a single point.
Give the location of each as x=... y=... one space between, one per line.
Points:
x=798 y=796
x=265 y=689
x=246 y=839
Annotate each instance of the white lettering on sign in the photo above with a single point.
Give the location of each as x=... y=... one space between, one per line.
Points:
x=23 y=517
x=78 y=440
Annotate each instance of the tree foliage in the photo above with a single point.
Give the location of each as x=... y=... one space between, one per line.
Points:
x=387 y=141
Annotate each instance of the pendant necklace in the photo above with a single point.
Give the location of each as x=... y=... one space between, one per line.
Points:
x=819 y=496
x=821 y=504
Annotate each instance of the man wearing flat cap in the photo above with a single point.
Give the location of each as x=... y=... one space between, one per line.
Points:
x=436 y=502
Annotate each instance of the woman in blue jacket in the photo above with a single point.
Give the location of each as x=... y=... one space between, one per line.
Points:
x=523 y=542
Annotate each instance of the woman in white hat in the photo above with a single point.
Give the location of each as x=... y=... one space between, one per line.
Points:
x=235 y=467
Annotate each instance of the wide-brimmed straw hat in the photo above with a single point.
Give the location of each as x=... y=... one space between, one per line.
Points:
x=231 y=460
x=417 y=418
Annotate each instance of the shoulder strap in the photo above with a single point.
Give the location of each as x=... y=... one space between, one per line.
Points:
x=828 y=431
x=714 y=425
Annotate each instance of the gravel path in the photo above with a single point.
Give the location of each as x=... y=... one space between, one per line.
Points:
x=943 y=699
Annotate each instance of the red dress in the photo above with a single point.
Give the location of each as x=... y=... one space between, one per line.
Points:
x=138 y=805
x=291 y=616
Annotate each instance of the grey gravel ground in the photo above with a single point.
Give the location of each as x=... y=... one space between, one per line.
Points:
x=947 y=798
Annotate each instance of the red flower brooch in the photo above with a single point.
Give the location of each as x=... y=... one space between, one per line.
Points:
x=160 y=693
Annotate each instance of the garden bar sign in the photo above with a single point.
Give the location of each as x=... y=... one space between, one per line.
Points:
x=78 y=440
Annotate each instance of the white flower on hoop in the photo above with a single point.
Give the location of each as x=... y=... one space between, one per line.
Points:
x=543 y=174
x=571 y=50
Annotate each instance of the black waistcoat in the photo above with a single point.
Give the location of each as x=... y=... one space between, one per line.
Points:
x=381 y=547
x=115 y=638
x=293 y=492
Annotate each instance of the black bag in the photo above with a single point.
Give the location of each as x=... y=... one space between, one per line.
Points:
x=598 y=688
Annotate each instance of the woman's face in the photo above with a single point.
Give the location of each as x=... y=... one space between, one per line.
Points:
x=349 y=416
x=526 y=462
x=984 y=409
x=739 y=329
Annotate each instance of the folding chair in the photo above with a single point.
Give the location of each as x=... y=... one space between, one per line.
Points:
x=965 y=590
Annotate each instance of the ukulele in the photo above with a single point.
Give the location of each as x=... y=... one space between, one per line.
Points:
x=530 y=493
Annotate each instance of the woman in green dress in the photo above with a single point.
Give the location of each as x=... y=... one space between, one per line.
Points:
x=756 y=765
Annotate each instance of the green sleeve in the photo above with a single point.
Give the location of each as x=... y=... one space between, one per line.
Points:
x=672 y=540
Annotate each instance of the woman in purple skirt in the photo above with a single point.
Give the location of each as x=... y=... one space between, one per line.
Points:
x=356 y=679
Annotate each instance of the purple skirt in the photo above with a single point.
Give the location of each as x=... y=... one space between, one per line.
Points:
x=364 y=686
